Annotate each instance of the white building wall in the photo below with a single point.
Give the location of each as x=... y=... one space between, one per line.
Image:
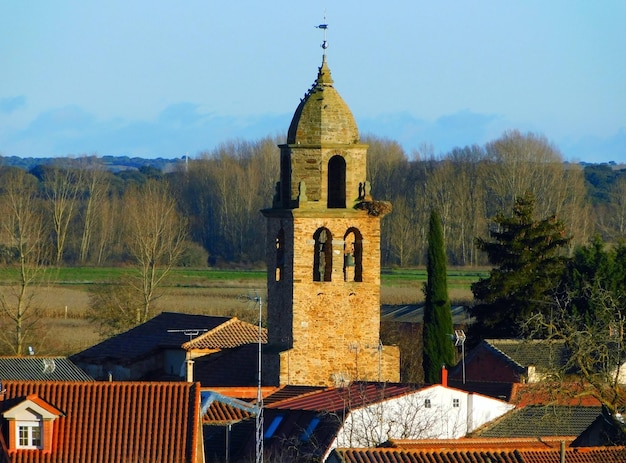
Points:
x=436 y=412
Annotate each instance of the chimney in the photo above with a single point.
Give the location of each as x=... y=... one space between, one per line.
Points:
x=444 y=376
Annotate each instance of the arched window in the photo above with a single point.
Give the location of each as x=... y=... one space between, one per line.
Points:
x=323 y=255
x=336 y=182
x=280 y=254
x=353 y=255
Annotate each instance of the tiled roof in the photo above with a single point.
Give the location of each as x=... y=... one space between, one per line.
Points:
x=540 y=420
x=38 y=368
x=335 y=399
x=290 y=392
x=497 y=390
x=115 y=421
x=549 y=393
x=220 y=413
x=232 y=333
x=572 y=455
x=543 y=355
x=480 y=443
x=167 y=329
x=218 y=409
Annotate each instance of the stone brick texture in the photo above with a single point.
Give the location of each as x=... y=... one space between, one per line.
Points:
x=309 y=164
x=327 y=331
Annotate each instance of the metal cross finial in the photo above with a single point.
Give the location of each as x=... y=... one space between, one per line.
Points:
x=324 y=26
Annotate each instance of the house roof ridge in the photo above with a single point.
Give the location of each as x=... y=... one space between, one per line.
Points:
x=216 y=331
x=489 y=344
x=96 y=384
x=542 y=440
x=304 y=395
x=480 y=394
x=210 y=332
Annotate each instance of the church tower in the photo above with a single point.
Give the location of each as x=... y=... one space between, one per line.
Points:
x=323 y=252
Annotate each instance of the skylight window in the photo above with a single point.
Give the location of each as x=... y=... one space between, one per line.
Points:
x=271 y=429
x=306 y=435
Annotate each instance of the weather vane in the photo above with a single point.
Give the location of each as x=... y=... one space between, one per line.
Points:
x=324 y=26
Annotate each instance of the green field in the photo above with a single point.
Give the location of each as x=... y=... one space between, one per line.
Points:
x=457 y=278
x=62 y=297
x=177 y=277
x=184 y=277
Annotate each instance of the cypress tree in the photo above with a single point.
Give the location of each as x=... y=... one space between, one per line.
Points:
x=438 y=346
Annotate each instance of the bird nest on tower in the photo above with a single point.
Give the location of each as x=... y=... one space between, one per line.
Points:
x=375 y=208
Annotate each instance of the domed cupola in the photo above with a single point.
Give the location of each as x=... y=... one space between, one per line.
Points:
x=322 y=117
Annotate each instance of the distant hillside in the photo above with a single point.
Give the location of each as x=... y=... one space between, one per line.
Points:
x=112 y=163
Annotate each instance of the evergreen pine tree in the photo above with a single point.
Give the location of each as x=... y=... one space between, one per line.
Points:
x=528 y=260
x=438 y=346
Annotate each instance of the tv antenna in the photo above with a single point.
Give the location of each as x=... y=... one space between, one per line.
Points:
x=191 y=332
x=459 y=338
x=254 y=298
x=49 y=366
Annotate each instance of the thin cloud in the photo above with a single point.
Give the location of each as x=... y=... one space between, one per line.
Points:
x=11 y=104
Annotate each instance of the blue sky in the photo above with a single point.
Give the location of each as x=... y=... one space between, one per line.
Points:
x=165 y=79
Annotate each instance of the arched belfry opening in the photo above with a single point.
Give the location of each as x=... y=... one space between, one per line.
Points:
x=353 y=255
x=336 y=182
x=280 y=254
x=322 y=255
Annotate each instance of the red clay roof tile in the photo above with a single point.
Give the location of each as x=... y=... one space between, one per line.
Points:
x=232 y=333
x=335 y=399
x=460 y=455
x=115 y=421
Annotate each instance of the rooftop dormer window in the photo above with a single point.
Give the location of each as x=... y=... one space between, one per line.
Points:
x=30 y=424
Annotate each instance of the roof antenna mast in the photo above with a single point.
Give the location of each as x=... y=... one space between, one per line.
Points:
x=324 y=27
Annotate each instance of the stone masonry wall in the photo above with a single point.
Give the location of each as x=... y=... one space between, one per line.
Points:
x=310 y=165
x=334 y=326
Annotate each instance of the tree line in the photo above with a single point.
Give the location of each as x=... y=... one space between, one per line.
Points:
x=220 y=193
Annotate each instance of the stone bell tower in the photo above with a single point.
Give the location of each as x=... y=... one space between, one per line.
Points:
x=323 y=252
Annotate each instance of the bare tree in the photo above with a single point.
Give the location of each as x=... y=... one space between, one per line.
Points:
x=420 y=414
x=62 y=187
x=96 y=185
x=617 y=209
x=109 y=229
x=114 y=307
x=23 y=233
x=467 y=218
x=528 y=163
x=387 y=166
x=595 y=343
x=155 y=236
x=404 y=231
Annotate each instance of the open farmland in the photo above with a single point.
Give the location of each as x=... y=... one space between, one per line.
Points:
x=64 y=300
